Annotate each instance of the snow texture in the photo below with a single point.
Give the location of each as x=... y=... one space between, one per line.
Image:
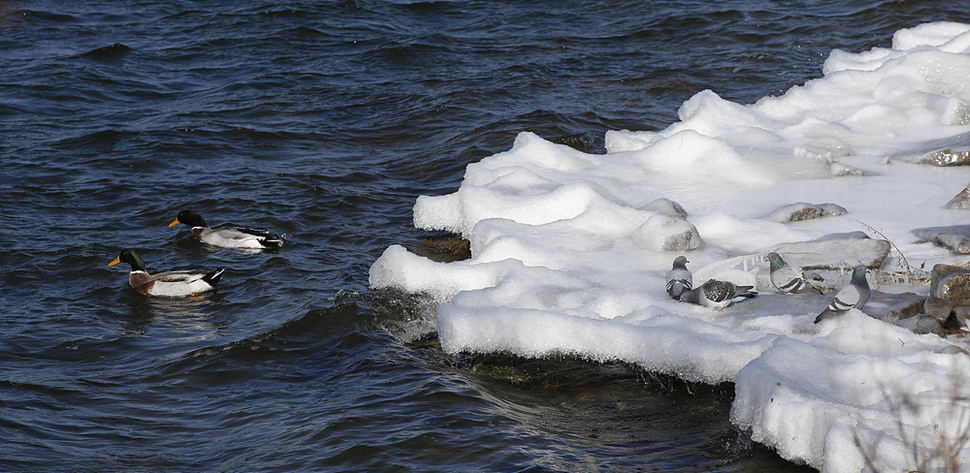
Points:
x=566 y=257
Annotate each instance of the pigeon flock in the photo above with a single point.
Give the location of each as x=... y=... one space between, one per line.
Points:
x=784 y=277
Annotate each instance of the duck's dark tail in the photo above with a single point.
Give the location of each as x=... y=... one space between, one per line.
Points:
x=213 y=278
x=272 y=241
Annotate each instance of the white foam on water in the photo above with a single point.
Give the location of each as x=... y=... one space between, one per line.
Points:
x=563 y=263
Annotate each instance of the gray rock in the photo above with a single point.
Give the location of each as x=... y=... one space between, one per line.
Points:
x=959 y=317
x=955 y=238
x=804 y=211
x=843 y=236
x=952 y=350
x=835 y=251
x=663 y=233
x=946 y=157
x=839 y=170
x=922 y=324
x=940 y=309
x=891 y=307
x=960 y=201
x=666 y=207
x=951 y=283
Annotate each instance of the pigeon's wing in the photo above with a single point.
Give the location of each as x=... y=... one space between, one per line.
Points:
x=786 y=279
x=718 y=291
x=846 y=299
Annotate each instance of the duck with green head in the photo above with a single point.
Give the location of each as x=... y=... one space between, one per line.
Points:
x=227 y=235
x=169 y=283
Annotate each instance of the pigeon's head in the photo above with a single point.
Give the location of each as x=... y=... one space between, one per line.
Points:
x=681 y=262
x=775 y=261
x=859 y=274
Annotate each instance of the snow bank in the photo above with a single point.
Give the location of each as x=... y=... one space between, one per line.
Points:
x=565 y=261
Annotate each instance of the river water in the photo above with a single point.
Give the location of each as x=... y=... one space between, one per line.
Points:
x=324 y=121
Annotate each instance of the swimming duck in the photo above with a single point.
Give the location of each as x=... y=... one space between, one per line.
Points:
x=227 y=236
x=169 y=283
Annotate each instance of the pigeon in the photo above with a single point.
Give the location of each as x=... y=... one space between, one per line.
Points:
x=679 y=278
x=788 y=279
x=856 y=294
x=716 y=294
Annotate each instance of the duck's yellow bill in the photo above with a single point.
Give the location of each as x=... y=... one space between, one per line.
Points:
x=116 y=261
x=176 y=222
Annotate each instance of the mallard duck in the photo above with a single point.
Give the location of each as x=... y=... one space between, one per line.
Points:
x=169 y=283
x=227 y=236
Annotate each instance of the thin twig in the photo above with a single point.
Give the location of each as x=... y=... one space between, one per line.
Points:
x=909 y=271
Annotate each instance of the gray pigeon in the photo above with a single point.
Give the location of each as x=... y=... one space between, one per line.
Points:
x=856 y=294
x=786 y=278
x=716 y=294
x=679 y=278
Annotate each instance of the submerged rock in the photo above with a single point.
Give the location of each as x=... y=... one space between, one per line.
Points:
x=664 y=233
x=839 y=170
x=835 y=251
x=443 y=248
x=955 y=238
x=960 y=201
x=666 y=207
x=805 y=211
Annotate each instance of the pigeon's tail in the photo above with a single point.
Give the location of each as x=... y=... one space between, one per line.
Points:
x=825 y=314
x=745 y=291
x=676 y=287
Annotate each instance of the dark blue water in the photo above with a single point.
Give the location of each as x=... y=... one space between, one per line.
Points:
x=324 y=121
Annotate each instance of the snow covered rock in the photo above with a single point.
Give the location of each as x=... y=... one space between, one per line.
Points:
x=664 y=233
x=805 y=211
x=835 y=251
x=956 y=238
x=960 y=201
x=666 y=207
